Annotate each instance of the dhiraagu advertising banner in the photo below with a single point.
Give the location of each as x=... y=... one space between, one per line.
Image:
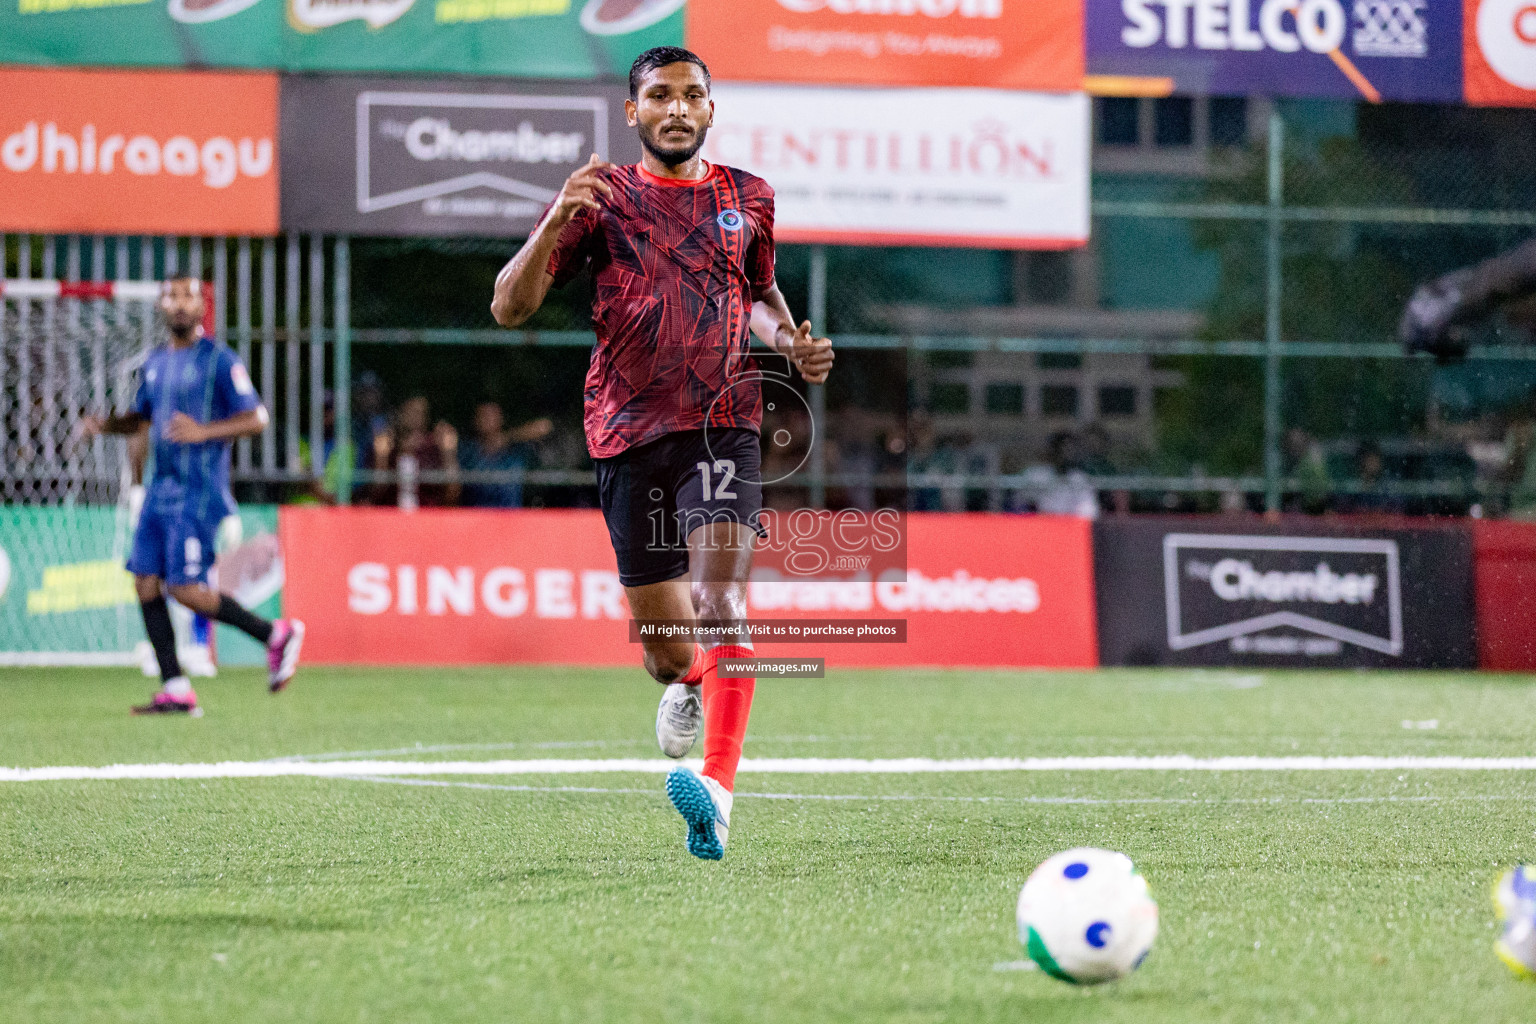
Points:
x=65 y=597
x=516 y=38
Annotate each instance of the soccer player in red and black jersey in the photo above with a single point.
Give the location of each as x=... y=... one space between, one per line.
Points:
x=682 y=257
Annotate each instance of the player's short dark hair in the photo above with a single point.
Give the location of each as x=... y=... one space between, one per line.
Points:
x=660 y=57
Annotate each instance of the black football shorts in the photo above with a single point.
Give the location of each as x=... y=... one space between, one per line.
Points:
x=655 y=494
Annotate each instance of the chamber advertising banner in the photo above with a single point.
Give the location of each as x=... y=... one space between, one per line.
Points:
x=391 y=156
x=954 y=167
x=1004 y=44
x=138 y=152
x=523 y=38
x=469 y=586
x=1191 y=592
x=1370 y=49
x=1500 y=52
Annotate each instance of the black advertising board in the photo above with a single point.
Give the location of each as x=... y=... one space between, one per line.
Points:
x=439 y=156
x=1177 y=591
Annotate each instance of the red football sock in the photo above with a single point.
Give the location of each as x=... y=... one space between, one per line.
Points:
x=727 y=705
x=695 y=674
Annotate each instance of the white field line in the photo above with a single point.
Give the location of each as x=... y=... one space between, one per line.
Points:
x=914 y=797
x=769 y=766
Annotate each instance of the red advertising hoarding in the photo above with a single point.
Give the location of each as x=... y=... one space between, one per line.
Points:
x=138 y=152
x=470 y=586
x=1002 y=44
x=1499 y=52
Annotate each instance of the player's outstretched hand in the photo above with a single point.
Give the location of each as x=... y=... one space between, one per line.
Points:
x=582 y=189
x=90 y=426
x=183 y=429
x=813 y=356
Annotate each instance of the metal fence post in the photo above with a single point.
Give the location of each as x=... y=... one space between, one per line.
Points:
x=1272 y=288
x=341 y=311
x=818 y=392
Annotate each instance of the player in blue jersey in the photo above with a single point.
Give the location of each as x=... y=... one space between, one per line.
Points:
x=194 y=398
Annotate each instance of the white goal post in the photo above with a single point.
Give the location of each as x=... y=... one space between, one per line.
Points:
x=68 y=349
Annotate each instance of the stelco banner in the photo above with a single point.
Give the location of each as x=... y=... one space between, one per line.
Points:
x=528 y=38
x=1005 y=44
x=963 y=167
x=1178 y=592
x=121 y=152
x=481 y=586
x=1376 y=49
x=381 y=156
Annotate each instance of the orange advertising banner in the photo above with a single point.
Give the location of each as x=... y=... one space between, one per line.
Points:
x=138 y=152
x=480 y=586
x=1499 y=53
x=999 y=44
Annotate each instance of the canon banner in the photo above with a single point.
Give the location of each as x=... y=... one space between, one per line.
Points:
x=122 y=152
x=1175 y=592
x=390 y=156
x=964 y=167
x=478 y=586
x=525 y=38
x=1005 y=44
x=1372 y=49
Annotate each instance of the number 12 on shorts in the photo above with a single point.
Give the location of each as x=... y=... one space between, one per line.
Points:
x=727 y=470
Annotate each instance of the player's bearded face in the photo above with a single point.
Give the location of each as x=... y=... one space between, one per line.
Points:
x=182 y=303
x=673 y=113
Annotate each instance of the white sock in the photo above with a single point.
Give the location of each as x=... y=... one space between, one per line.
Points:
x=181 y=686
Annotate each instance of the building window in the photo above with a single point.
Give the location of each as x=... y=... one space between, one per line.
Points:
x=958 y=359
x=1229 y=121
x=1048 y=276
x=1118 y=121
x=950 y=399
x=1058 y=400
x=1117 y=400
x=1173 y=121
x=1005 y=399
x=1059 y=361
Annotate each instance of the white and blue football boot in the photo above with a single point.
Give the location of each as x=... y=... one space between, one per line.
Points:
x=678 y=718
x=706 y=806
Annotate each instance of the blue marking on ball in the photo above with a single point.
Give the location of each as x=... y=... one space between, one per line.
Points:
x=1075 y=870
x=1098 y=934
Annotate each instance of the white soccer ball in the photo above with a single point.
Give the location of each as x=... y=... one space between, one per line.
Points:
x=1514 y=900
x=1086 y=916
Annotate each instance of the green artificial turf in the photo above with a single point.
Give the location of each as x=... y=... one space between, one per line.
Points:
x=1318 y=896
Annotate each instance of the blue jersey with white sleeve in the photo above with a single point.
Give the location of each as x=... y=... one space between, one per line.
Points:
x=207 y=382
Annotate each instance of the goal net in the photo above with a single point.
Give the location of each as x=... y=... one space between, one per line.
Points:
x=67 y=350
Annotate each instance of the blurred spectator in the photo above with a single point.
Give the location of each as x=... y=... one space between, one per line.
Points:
x=496 y=449
x=428 y=451
x=922 y=457
x=1519 y=470
x=1307 y=464
x=1370 y=469
x=323 y=491
x=369 y=415
x=1062 y=488
x=1096 y=462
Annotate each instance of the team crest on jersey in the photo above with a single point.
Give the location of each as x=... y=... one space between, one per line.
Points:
x=731 y=220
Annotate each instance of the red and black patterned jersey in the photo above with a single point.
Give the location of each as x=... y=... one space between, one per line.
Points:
x=676 y=266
